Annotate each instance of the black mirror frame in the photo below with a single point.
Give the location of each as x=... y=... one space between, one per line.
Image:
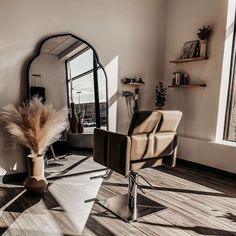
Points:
x=96 y=92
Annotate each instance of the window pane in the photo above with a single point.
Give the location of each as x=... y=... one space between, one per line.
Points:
x=83 y=89
x=81 y=63
x=83 y=97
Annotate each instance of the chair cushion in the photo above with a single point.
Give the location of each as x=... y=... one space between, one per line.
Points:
x=151 y=145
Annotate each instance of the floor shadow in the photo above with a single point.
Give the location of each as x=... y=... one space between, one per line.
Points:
x=9 y=193
x=54 y=164
x=3 y=230
x=18 y=204
x=59 y=214
x=168 y=189
x=23 y=202
x=223 y=184
x=98 y=228
x=15 y=205
x=71 y=167
x=76 y=174
x=197 y=229
x=229 y=216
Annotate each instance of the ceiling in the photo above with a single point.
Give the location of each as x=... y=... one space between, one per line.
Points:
x=62 y=46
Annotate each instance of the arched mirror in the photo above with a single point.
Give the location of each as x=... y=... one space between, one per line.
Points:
x=66 y=71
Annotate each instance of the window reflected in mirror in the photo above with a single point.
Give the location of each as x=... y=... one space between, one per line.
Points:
x=66 y=72
x=81 y=76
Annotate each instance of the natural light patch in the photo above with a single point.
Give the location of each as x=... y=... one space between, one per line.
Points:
x=76 y=199
x=112 y=77
x=225 y=70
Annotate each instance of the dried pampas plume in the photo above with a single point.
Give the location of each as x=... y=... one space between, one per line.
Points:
x=34 y=124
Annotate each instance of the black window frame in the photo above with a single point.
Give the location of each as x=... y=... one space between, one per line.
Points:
x=232 y=81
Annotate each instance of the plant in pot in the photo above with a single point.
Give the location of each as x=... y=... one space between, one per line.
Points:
x=36 y=126
x=204 y=35
x=160 y=96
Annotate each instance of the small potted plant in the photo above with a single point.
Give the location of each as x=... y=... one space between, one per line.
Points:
x=204 y=35
x=36 y=126
x=160 y=96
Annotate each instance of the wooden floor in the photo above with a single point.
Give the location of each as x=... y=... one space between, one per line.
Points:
x=63 y=209
x=197 y=203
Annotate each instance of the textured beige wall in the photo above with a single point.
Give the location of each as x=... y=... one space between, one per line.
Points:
x=128 y=36
x=199 y=105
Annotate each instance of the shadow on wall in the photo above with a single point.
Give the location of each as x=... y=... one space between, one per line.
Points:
x=12 y=155
x=13 y=90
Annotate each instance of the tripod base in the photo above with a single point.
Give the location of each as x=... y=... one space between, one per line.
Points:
x=119 y=206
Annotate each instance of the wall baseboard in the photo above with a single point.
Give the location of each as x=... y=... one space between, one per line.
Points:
x=14 y=178
x=206 y=168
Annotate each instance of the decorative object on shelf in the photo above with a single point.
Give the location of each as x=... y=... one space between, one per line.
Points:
x=81 y=121
x=36 y=126
x=160 y=95
x=133 y=81
x=180 y=78
x=204 y=35
x=73 y=120
x=189 y=49
x=126 y=80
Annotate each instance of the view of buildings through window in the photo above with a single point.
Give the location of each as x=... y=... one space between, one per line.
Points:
x=81 y=88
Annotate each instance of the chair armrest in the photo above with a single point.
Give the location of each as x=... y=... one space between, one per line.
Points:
x=119 y=146
x=100 y=138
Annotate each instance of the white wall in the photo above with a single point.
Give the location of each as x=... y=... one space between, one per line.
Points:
x=53 y=78
x=199 y=105
x=128 y=34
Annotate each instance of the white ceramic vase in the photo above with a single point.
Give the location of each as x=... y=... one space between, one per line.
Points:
x=36 y=183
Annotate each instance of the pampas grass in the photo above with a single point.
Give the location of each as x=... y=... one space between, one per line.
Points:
x=35 y=125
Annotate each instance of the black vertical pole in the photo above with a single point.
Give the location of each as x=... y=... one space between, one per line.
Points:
x=96 y=92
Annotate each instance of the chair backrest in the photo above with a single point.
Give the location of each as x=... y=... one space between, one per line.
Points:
x=144 y=122
x=170 y=121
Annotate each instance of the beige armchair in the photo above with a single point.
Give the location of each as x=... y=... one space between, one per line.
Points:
x=151 y=141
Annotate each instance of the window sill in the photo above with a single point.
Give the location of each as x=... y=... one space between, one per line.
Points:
x=226 y=143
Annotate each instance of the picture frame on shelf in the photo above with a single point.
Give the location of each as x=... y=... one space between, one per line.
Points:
x=190 y=49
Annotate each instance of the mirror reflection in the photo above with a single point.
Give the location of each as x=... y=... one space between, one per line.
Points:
x=67 y=73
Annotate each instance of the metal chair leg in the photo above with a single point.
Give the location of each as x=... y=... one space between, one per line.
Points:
x=53 y=153
x=106 y=176
x=131 y=206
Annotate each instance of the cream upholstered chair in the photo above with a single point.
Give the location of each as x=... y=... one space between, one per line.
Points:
x=151 y=141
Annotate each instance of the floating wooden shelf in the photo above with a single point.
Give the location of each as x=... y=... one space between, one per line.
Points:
x=134 y=83
x=188 y=60
x=187 y=86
